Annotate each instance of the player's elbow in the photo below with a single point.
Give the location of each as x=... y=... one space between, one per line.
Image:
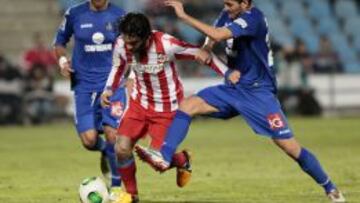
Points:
x=219 y=35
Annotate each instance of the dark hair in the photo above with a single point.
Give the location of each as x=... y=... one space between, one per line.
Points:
x=240 y=1
x=135 y=25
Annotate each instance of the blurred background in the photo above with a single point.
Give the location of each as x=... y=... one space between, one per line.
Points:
x=316 y=46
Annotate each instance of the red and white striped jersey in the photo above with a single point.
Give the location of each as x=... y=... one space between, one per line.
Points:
x=157 y=83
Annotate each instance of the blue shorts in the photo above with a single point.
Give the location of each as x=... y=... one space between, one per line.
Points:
x=88 y=112
x=112 y=115
x=90 y=115
x=259 y=106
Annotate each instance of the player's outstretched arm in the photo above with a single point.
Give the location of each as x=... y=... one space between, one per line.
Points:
x=216 y=34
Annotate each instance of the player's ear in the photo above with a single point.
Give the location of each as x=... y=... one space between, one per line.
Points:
x=246 y=3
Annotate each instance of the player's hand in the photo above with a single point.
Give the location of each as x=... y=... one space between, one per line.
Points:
x=233 y=76
x=65 y=67
x=105 y=98
x=178 y=7
x=203 y=56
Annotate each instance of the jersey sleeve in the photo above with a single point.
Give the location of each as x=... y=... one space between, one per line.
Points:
x=181 y=50
x=65 y=30
x=119 y=67
x=178 y=49
x=245 y=25
x=217 y=65
x=221 y=19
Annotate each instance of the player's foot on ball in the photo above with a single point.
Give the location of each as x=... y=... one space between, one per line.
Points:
x=183 y=174
x=153 y=158
x=105 y=168
x=117 y=195
x=336 y=196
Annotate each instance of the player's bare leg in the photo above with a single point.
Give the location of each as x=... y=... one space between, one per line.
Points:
x=195 y=105
x=310 y=165
x=126 y=165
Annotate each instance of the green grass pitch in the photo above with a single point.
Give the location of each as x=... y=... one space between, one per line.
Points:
x=46 y=164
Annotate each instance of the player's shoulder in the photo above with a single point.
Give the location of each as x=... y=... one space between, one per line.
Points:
x=163 y=36
x=78 y=8
x=116 y=9
x=251 y=16
x=159 y=35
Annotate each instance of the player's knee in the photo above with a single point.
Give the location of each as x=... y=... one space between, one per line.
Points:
x=110 y=134
x=192 y=105
x=291 y=147
x=123 y=151
x=88 y=140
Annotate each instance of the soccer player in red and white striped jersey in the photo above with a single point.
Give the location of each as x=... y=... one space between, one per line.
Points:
x=157 y=83
x=157 y=90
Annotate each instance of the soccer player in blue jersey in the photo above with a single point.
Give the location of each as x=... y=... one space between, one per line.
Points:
x=93 y=24
x=245 y=30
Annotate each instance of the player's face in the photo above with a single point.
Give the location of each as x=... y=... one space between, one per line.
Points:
x=234 y=8
x=99 y=4
x=133 y=44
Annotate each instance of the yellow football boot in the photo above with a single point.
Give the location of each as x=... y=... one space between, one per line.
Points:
x=117 y=195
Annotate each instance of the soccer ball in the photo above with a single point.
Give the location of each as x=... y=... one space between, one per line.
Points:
x=93 y=190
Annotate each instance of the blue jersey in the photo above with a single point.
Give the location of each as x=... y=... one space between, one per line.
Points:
x=248 y=51
x=94 y=35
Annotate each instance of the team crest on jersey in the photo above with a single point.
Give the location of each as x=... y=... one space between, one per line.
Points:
x=162 y=58
x=109 y=26
x=117 y=109
x=275 y=121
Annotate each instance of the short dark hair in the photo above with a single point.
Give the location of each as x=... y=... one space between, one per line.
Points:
x=135 y=25
x=250 y=1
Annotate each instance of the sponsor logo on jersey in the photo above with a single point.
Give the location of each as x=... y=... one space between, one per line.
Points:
x=275 y=121
x=86 y=25
x=117 y=109
x=162 y=58
x=98 y=38
x=98 y=48
x=147 y=68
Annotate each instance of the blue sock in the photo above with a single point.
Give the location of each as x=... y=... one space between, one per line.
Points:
x=310 y=165
x=175 y=134
x=111 y=156
x=100 y=145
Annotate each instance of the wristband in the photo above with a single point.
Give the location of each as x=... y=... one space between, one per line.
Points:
x=62 y=61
